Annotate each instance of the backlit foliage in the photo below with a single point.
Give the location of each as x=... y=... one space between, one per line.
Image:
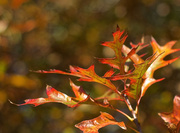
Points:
x=137 y=78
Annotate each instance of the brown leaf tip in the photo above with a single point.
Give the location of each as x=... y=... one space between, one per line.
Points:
x=117 y=28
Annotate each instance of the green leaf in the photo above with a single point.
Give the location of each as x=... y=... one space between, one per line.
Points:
x=136 y=78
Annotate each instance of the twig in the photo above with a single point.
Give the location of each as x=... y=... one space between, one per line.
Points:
x=135 y=120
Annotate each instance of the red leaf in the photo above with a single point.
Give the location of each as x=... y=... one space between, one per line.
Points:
x=173 y=119
x=88 y=75
x=109 y=73
x=59 y=97
x=119 y=60
x=93 y=125
x=79 y=92
x=53 y=96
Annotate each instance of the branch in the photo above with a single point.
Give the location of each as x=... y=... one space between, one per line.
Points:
x=134 y=113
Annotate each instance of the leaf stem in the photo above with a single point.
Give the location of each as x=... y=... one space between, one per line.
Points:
x=111 y=107
x=131 y=119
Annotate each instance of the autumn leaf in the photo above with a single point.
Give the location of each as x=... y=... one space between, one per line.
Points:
x=88 y=75
x=119 y=60
x=79 y=92
x=53 y=96
x=136 y=78
x=173 y=119
x=159 y=52
x=59 y=97
x=160 y=62
x=134 y=89
x=93 y=125
x=136 y=82
x=135 y=57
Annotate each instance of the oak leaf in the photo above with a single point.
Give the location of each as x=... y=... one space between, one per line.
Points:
x=173 y=119
x=157 y=61
x=88 y=75
x=93 y=125
x=119 y=60
x=59 y=97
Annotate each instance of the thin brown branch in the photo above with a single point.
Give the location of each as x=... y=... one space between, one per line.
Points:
x=135 y=120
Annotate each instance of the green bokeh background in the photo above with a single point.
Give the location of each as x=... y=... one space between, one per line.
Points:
x=48 y=34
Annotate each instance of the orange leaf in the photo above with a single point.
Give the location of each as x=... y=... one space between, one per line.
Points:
x=135 y=57
x=119 y=60
x=109 y=73
x=59 y=97
x=93 y=125
x=88 y=75
x=173 y=119
x=160 y=52
x=53 y=96
x=79 y=92
x=164 y=51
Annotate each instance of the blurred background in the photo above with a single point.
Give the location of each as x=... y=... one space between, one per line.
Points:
x=53 y=34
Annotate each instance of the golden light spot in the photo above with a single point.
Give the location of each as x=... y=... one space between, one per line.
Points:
x=163 y=9
x=55 y=113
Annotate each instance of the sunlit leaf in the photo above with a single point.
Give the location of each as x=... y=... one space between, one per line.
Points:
x=78 y=91
x=119 y=60
x=164 y=51
x=59 y=97
x=53 y=96
x=135 y=57
x=136 y=81
x=93 y=125
x=136 y=78
x=134 y=89
x=160 y=52
x=109 y=73
x=173 y=119
x=88 y=75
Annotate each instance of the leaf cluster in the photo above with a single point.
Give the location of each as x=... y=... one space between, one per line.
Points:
x=136 y=80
